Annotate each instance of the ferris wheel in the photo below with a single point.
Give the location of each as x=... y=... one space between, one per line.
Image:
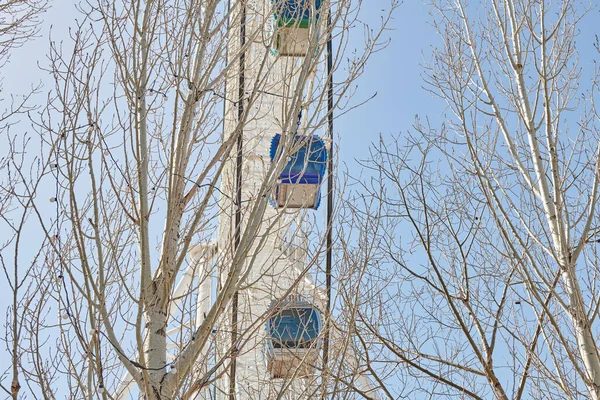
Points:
x=275 y=332
x=276 y=149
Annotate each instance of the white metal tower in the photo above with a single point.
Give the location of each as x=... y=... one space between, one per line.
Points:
x=282 y=62
x=277 y=260
x=279 y=48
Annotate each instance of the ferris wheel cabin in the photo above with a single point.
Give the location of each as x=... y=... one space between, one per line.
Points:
x=300 y=180
x=293 y=20
x=292 y=343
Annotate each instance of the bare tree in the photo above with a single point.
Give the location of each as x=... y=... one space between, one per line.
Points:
x=19 y=22
x=483 y=279
x=140 y=130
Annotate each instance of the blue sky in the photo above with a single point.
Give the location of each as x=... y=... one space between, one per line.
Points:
x=395 y=75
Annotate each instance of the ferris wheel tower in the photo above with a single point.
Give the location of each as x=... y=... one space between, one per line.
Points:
x=280 y=84
x=276 y=321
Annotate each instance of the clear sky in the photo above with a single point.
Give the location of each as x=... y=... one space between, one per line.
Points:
x=395 y=75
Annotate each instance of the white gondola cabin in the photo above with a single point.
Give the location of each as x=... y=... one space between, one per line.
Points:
x=300 y=180
x=293 y=22
x=292 y=342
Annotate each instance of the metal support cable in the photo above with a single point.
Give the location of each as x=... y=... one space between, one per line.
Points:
x=238 y=188
x=330 y=187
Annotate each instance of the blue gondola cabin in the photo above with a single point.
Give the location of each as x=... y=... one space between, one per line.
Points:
x=292 y=343
x=293 y=20
x=300 y=180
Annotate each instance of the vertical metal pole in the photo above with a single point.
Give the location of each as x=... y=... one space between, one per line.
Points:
x=238 y=196
x=328 y=260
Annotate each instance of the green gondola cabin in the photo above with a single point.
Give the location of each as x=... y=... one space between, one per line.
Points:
x=293 y=22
